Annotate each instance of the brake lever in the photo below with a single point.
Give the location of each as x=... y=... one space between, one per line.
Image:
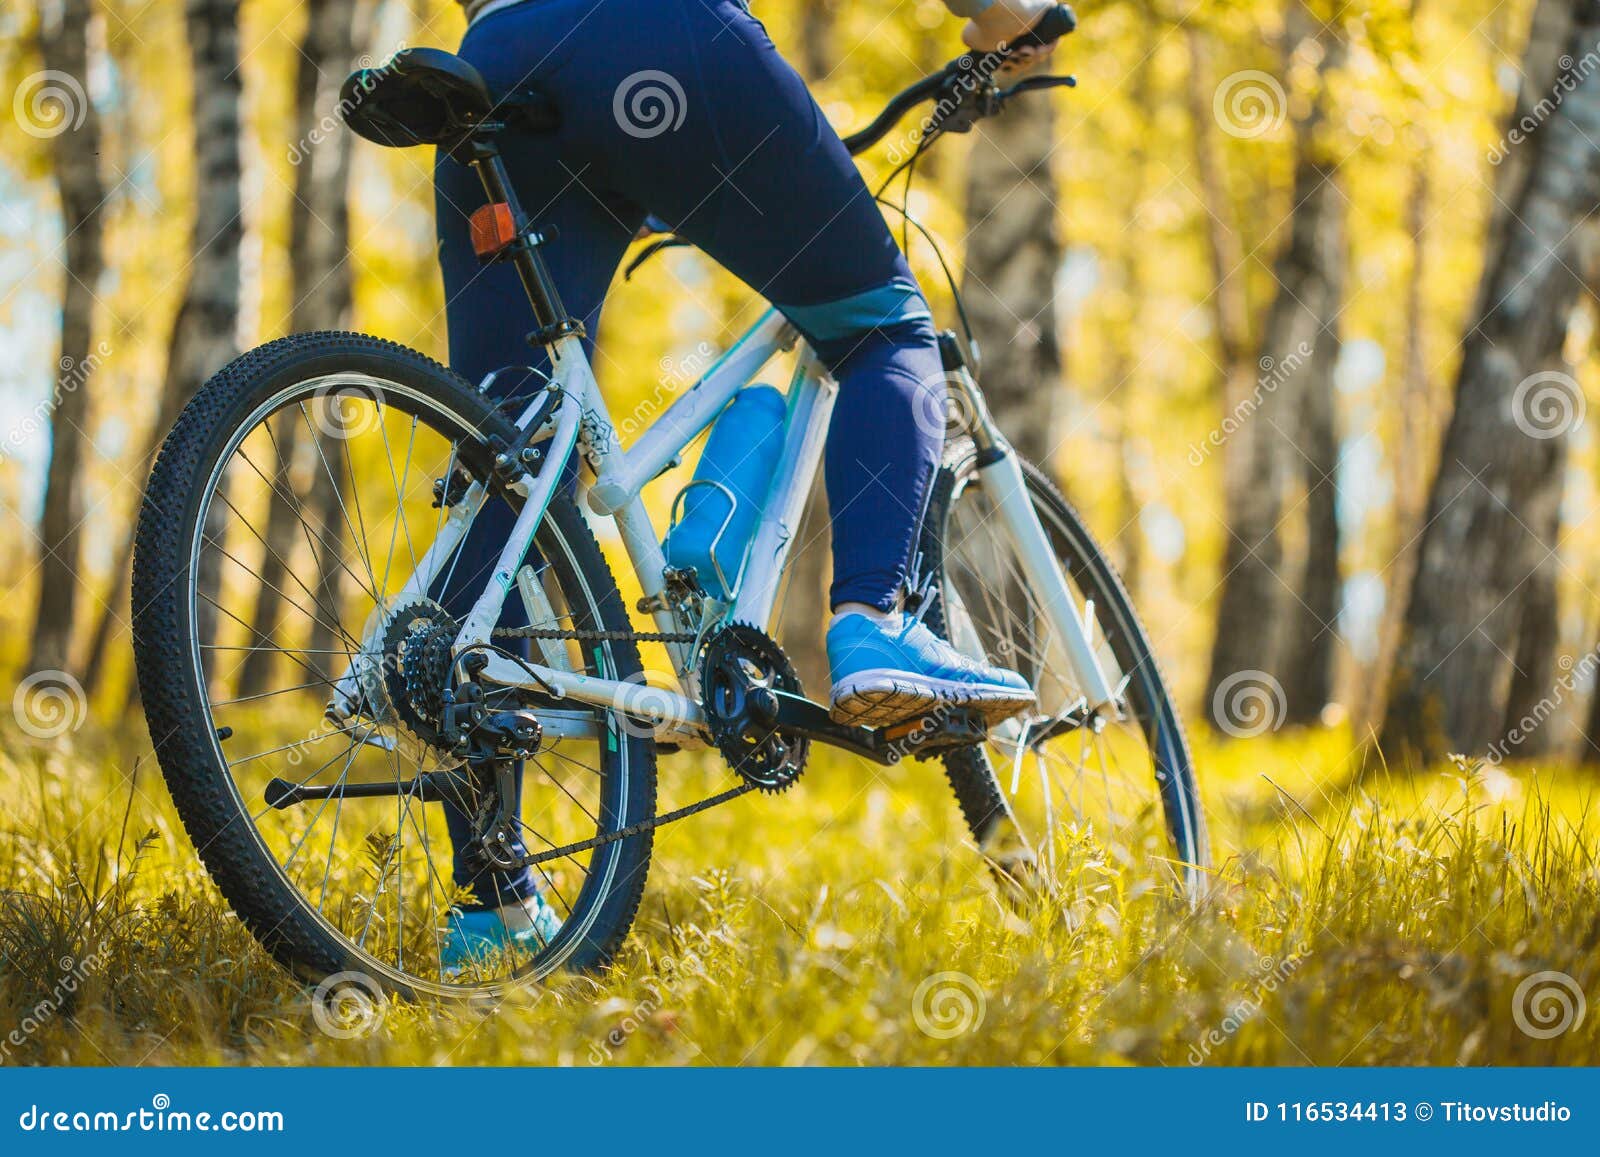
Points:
x=967 y=104
x=1029 y=84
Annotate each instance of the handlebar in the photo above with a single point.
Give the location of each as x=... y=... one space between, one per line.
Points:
x=971 y=75
x=1051 y=27
x=894 y=112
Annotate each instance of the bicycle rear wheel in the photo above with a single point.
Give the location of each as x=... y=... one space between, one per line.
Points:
x=289 y=507
x=1050 y=786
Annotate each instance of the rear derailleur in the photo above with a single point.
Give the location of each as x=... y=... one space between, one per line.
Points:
x=491 y=742
x=488 y=735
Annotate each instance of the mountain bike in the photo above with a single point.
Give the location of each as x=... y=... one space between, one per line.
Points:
x=309 y=698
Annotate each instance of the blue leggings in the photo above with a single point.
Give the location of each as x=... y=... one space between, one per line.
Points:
x=684 y=111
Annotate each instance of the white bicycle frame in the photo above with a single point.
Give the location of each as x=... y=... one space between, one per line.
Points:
x=582 y=420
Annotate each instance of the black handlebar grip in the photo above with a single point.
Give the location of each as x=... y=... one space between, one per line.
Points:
x=1052 y=26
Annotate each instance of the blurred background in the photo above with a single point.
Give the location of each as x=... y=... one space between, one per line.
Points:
x=1295 y=299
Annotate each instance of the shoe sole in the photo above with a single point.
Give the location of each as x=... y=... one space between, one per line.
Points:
x=884 y=698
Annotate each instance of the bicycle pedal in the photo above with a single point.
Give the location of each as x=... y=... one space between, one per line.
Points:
x=939 y=729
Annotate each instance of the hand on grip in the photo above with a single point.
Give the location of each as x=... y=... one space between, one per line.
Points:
x=1025 y=31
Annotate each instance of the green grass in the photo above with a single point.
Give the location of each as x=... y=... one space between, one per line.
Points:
x=1388 y=921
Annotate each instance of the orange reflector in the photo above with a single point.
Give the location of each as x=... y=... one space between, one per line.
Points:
x=492 y=229
x=901 y=730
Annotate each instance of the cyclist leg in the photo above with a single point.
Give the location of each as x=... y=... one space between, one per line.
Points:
x=488 y=318
x=743 y=163
x=686 y=108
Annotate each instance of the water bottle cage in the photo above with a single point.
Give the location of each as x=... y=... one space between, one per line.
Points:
x=682 y=596
x=731 y=589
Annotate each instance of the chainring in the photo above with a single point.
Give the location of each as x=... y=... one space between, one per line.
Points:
x=740 y=667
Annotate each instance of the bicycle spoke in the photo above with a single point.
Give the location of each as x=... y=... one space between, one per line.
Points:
x=310 y=670
x=287 y=569
x=332 y=548
x=399 y=500
x=353 y=750
x=269 y=694
x=384 y=888
x=1079 y=773
x=284 y=747
x=333 y=849
x=360 y=540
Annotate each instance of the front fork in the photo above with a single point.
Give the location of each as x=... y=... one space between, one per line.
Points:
x=1003 y=480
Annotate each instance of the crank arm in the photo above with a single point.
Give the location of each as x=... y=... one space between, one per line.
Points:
x=428 y=787
x=797 y=715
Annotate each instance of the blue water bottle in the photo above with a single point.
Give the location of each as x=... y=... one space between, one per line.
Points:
x=723 y=503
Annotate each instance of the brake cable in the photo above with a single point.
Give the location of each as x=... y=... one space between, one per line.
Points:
x=933 y=129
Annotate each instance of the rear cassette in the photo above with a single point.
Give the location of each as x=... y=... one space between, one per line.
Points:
x=417 y=654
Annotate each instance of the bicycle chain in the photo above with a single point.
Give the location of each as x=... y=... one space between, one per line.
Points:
x=639 y=828
x=599 y=636
x=556 y=633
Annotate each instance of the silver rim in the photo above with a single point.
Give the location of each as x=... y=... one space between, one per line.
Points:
x=1063 y=786
x=364 y=441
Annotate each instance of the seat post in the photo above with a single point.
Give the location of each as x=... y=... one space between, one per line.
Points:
x=523 y=252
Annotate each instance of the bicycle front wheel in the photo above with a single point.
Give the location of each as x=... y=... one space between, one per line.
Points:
x=1056 y=788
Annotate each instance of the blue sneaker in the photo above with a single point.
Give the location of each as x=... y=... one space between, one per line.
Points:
x=891 y=670
x=473 y=937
